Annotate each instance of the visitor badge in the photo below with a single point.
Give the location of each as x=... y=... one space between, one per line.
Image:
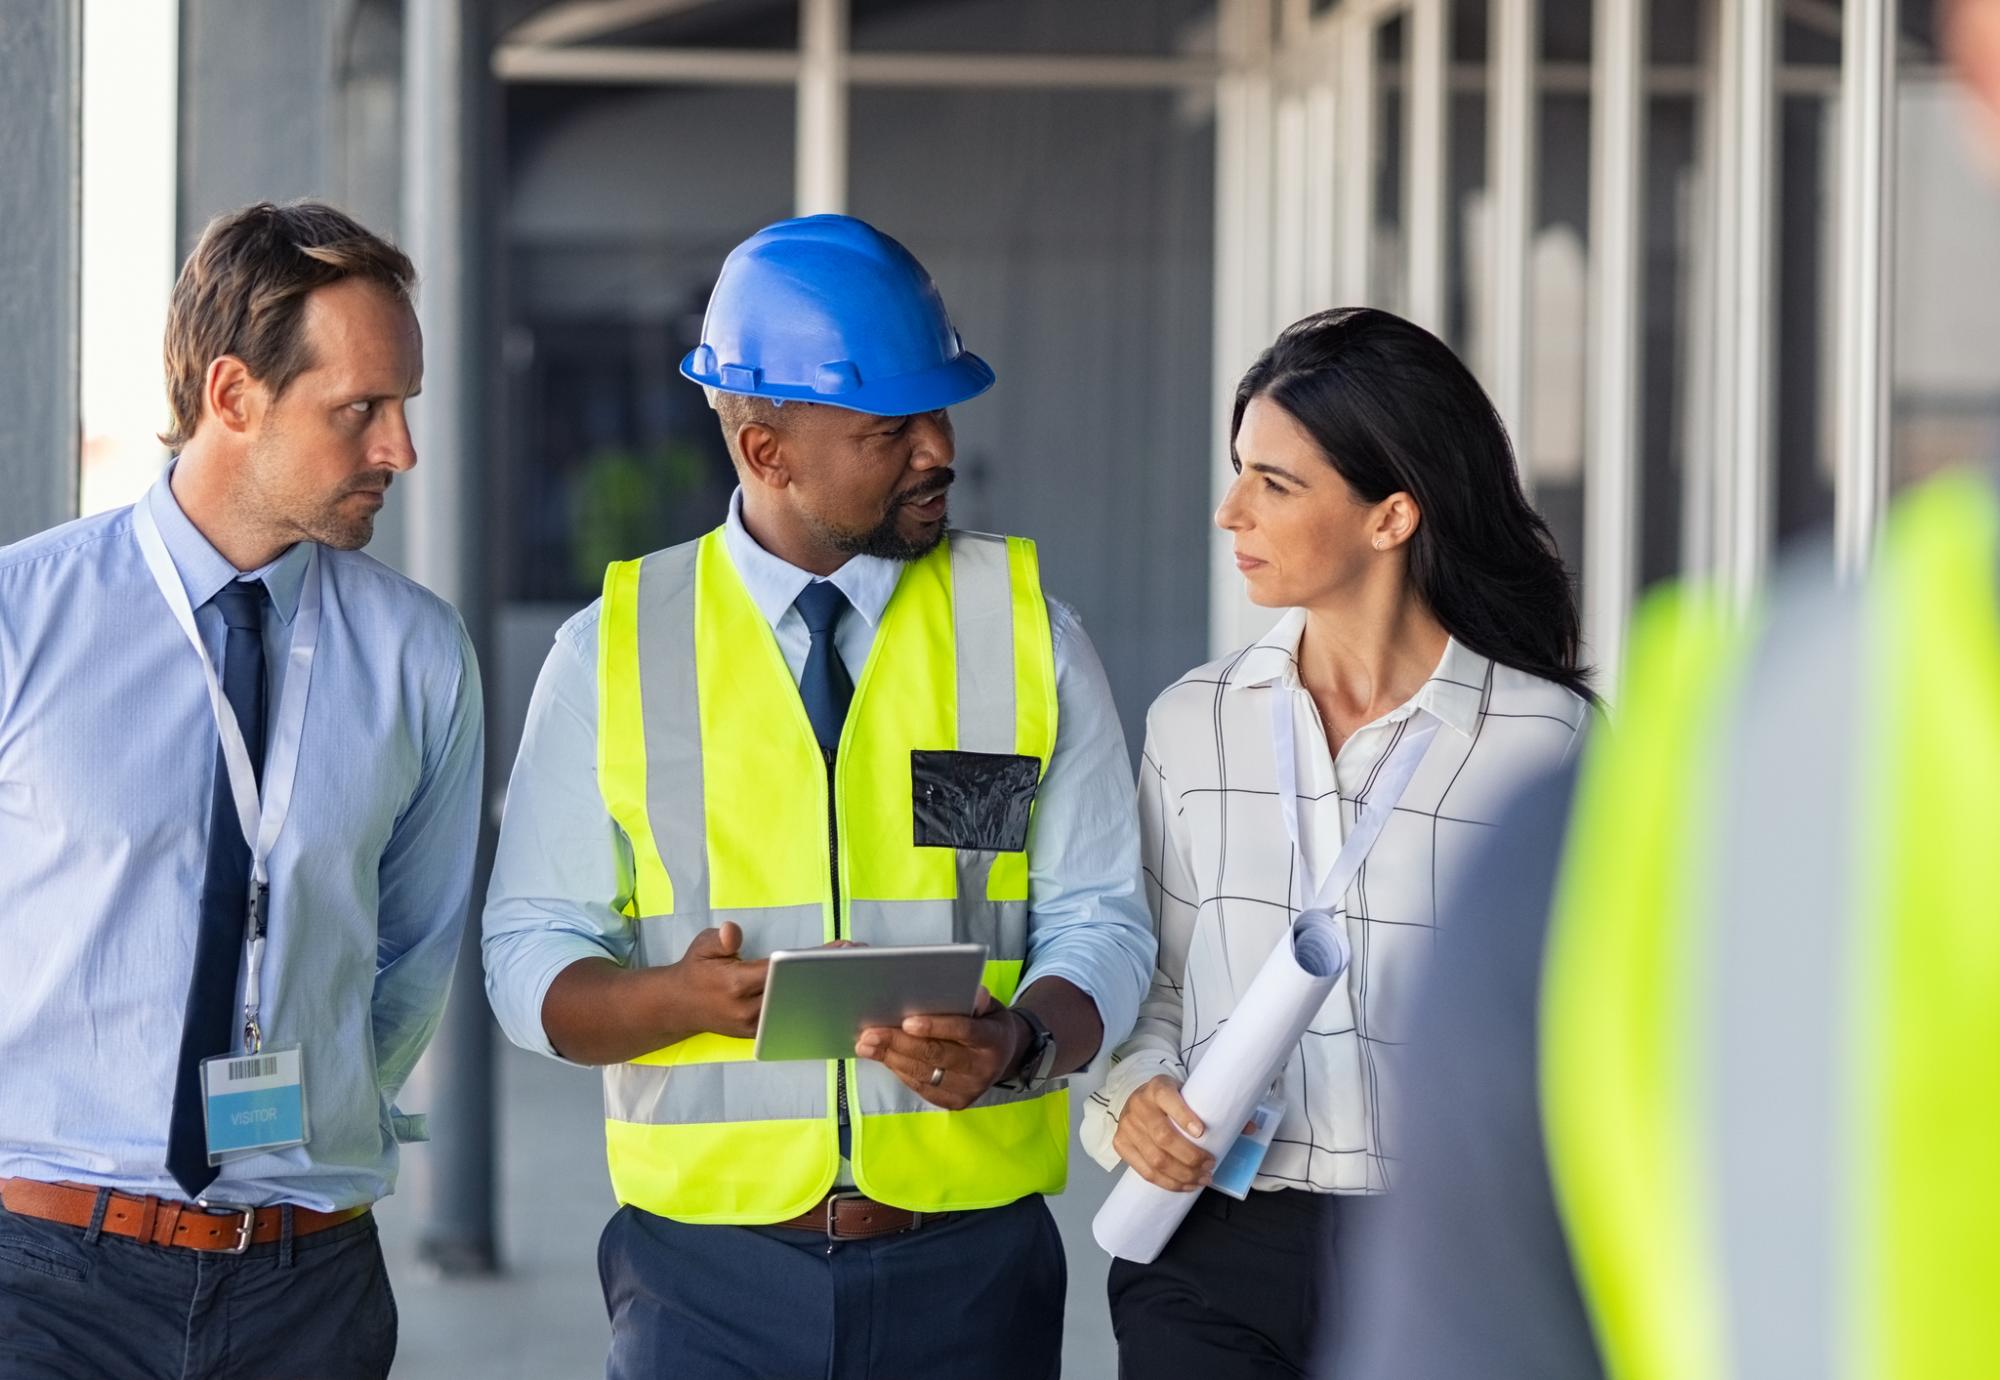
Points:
x=256 y=1102
x=1246 y=1155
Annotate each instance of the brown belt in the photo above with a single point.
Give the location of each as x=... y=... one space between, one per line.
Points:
x=162 y=1222
x=849 y=1216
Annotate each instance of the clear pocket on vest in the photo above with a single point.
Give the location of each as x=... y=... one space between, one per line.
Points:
x=975 y=800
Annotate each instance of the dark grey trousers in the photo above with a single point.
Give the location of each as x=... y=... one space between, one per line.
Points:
x=979 y=1297
x=1248 y=1290
x=79 y=1307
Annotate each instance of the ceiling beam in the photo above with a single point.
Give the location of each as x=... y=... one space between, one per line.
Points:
x=613 y=65
x=575 y=21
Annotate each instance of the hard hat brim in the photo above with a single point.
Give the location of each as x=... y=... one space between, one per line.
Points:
x=949 y=384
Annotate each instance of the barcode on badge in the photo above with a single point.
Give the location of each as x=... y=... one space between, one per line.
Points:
x=262 y=1067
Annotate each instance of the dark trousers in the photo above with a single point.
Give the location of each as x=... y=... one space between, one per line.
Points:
x=78 y=1306
x=977 y=1297
x=1247 y=1289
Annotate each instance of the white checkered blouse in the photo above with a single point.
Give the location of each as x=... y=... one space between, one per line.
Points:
x=1220 y=880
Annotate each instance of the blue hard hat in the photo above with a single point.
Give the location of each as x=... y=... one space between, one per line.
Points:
x=828 y=309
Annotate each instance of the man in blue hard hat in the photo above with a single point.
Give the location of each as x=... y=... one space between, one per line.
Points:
x=833 y=719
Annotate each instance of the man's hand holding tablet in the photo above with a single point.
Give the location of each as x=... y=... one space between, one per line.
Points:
x=950 y=1061
x=898 y=1006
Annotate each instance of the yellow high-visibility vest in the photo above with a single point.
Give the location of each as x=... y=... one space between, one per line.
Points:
x=1771 y=1007
x=708 y=763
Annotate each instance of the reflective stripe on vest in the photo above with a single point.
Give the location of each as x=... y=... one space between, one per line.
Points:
x=708 y=763
x=1771 y=1005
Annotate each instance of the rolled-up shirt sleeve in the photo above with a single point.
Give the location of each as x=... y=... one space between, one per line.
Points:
x=563 y=870
x=1154 y=1046
x=1087 y=916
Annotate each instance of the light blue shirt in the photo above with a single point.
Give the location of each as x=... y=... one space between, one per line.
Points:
x=107 y=768
x=564 y=868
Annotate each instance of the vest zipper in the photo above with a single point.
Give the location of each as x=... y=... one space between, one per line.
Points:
x=833 y=873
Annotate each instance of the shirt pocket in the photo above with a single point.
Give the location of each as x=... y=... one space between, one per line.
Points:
x=975 y=800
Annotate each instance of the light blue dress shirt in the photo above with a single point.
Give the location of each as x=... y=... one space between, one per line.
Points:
x=564 y=868
x=107 y=766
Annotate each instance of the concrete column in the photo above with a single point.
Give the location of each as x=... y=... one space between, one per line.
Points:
x=820 y=175
x=446 y=90
x=41 y=126
x=256 y=106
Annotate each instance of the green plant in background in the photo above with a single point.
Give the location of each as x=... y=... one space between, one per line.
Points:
x=623 y=503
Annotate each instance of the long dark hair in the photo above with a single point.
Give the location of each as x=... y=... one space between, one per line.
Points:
x=1395 y=411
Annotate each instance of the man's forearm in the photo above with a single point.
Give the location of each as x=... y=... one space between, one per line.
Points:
x=1071 y=1015
x=597 y=1012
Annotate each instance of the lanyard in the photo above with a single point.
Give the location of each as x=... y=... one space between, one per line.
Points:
x=261 y=820
x=1389 y=784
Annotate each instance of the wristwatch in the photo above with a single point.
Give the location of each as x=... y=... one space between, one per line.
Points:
x=1036 y=1061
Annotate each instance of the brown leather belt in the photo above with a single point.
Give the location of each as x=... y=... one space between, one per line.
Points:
x=849 y=1216
x=222 y=1227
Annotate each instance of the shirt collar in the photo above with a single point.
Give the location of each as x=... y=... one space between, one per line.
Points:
x=774 y=582
x=1272 y=659
x=1457 y=687
x=204 y=570
x=1453 y=693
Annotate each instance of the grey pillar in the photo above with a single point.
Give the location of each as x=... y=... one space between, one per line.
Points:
x=249 y=65
x=445 y=95
x=41 y=45
x=323 y=95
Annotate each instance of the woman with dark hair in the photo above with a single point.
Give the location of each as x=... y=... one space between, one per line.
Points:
x=1426 y=668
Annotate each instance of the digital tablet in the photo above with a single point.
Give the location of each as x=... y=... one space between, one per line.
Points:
x=818 y=1001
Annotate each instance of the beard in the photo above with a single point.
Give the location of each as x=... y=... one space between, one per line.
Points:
x=341 y=523
x=333 y=520
x=886 y=539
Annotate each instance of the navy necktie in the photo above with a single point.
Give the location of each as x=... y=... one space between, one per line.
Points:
x=209 y=1028
x=825 y=687
x=824 y=684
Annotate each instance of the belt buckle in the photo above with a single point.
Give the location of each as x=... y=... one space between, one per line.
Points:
x=244 y=1228
x=832 y=1200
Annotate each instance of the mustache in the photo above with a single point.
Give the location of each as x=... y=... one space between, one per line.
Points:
x=930 y=488
x=368 y=486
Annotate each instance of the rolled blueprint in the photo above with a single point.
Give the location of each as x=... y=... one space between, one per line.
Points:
x=1247 y=1053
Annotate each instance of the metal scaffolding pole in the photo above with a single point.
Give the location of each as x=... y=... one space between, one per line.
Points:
x=820 y=177
x=1244 y=101
x=40 y=303
x=1746 y=294
x=444 y=94
x=1617 y=229
x=1354 y=133
x=1426 y=185
x=1513 y=119
x=1867 y=129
